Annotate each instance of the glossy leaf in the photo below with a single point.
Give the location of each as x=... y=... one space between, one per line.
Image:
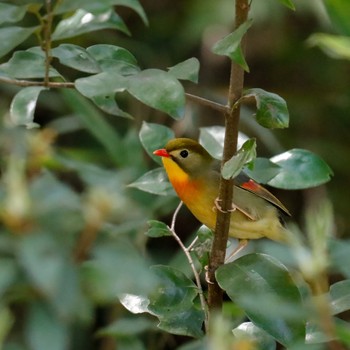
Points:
x=338 y=11
x=157 y=229
x=335 y=46
x=10 y=37
x=262 y=274
x=23 y=106
x=27 y=65
x=340 y=296
x=250 y=331
x=98 y=6
x=300 y=169
x=244 y=155
x=10 y=13
x=262 y=170
x=154 y=136
x=76 y=57
x=186 y=70
x=82 y=22
x=159 y=90
x=231 y=45
x=272 y=111
x=155 y=182
x=288 y=3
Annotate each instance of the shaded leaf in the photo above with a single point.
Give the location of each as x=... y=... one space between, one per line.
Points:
x=27 y=64
x=335 y=46
x=272 y=111
x=159 y=90
x=76 y=57
x=340 y=257
x=186 y=70
x=108 y=104
x=244 y=155
x=11 y=13
x=250 y=331
x=262 y=274
x=23 y=106
x=102 y=5
x=231 y=45
x=8 y=273
x=288 y=3
x=82 y=22
x=300 y=169
x=155 y=182
x=157 y=229
x=262 y=170
x=340 y=296
x=154 y=136
x=338 y=11
x=10 y=37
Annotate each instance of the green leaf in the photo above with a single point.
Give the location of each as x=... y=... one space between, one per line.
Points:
x=340 y=257
x=272 y=111
x=108 y=104
x=7 y=320
x=244 y=155
x=261 y=274
x=155 y=182
x=99 y=6
x=338 y=11
x=340 y=296
x=11 y=13
x=8 y=274
x=300 y=169
x=10 y=37
x=82 y=22
x=203 y=245
x=159 y=90
x=334 y=46
x=76 y=57
x=43 y=328
x=262 y=170
x=26 y=65
x=288 y=3
x=23 y=106
x=231 y=45
x=186 y=70
x=154 y=136
x=157 y=229
x=251 y=332
x=95 y=123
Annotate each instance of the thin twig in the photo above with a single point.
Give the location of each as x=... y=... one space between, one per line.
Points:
x=26 y=83
x=191 y=262
x=207 y=103
x=47 y=41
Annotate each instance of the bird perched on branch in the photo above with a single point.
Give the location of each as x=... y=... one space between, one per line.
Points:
x=195 y=176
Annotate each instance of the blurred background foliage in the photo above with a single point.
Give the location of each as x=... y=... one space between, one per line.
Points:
x=83 y=207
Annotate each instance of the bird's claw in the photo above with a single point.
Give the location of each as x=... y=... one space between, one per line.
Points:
x=218 y=207
x=207 y=279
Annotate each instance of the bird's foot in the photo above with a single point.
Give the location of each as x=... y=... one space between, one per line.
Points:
x=207 y=278
x=217 y=206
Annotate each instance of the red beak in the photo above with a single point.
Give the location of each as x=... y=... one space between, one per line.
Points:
x=161 y=153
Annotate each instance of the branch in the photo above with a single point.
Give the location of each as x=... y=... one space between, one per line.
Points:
x=217 y=256
x=47 y=42
x=207 y=103
x=191 y=262
x=26 y=83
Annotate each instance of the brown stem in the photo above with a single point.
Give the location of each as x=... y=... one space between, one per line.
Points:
x=26 y=83
x=217 y=255
x=208 y=103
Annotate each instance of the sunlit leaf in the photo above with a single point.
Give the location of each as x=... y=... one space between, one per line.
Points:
x=11 y=13
x=288 y=3
x=27 y=64
x=102 y=5
x=300 y=169
x=76 y=57
x=10 y=37
x=82 y=22
x=244 y=155
x=231 y=45
x=157 y=229
x=155 y=182
x=262 y=170
x=272 y=111
x=186 y=70
x=338 y=11
x=335 y=46
x=159 y=90
x=262 y=274
x=23 y=106
x=154 y=136
x=340 y=296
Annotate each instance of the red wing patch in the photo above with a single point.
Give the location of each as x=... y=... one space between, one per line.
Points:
x=251 y=185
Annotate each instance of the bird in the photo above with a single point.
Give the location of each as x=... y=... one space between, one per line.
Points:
x=195 y=176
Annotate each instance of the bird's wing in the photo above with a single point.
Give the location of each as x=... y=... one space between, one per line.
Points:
x=246 y=183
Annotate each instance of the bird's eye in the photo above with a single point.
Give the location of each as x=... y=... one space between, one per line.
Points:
x=184 y=153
